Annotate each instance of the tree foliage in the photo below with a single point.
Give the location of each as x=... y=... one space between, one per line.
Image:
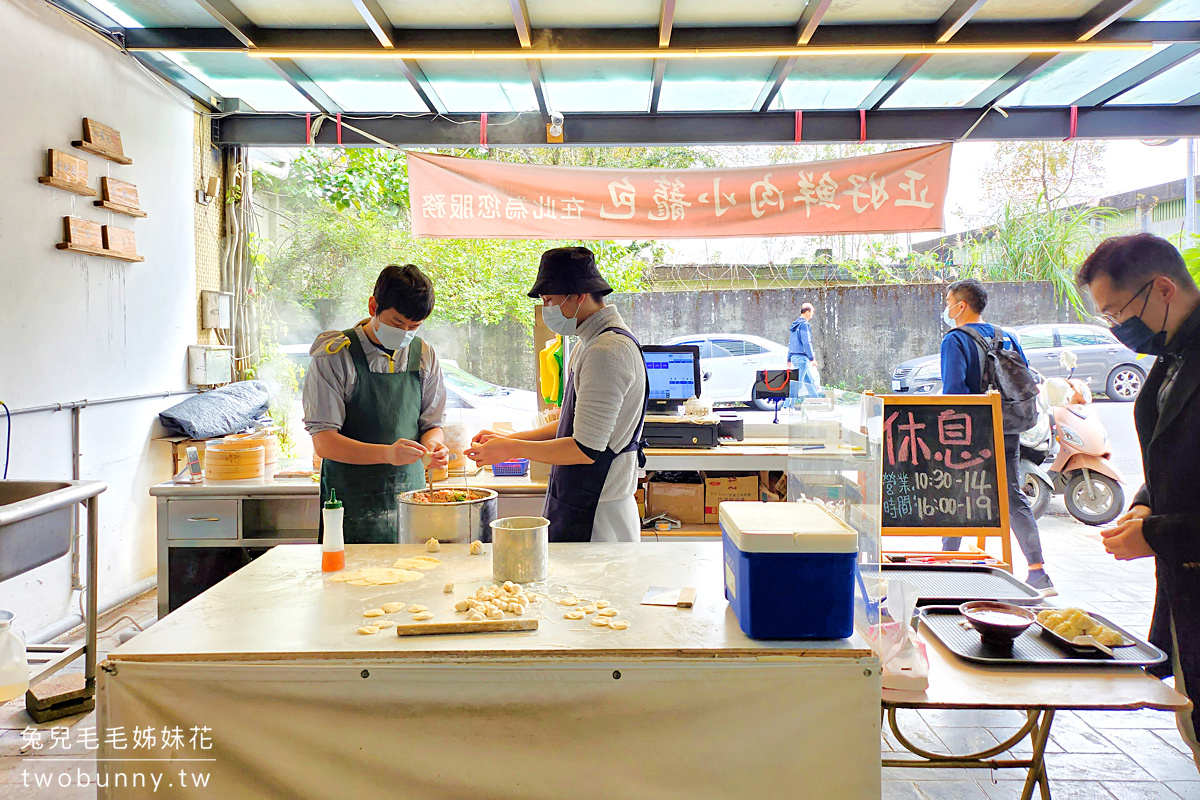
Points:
x=1045 y=174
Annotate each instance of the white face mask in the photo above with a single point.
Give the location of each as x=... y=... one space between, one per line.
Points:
x=393 y=338
x=946 y=318
x=557 y=322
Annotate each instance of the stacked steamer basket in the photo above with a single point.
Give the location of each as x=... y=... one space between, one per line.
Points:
x=265 y=437
x=241 y=459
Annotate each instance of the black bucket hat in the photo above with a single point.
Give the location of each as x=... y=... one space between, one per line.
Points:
x=569 y=270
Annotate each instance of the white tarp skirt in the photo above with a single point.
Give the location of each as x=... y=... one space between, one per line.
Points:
x=670 y=729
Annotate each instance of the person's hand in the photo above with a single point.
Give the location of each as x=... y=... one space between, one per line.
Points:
x=405 y=451
x=1126 y=541
x=495 y=450
x=483 y=437
x=441 y=456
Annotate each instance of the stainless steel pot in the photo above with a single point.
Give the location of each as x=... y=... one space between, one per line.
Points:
x=460 y=523
x=520 y=549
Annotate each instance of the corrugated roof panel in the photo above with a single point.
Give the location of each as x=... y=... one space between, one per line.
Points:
x=713 y=84
x=722 y=13
x=301 y=13
x=833 y=82
x=238 y=75
x=864 y=12
x=159 y=13
x=1177 y=83
x=472 y=87
x=364 y=85
x=1062 y=84
x=1030 y=10
x=581 y=86
x=950 y=81
x=625 y=14
x=487 y=14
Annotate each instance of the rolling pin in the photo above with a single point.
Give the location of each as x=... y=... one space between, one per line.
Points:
x=483 y=626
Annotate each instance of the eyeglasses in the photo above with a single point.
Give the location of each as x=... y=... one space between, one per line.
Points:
x=1113 y=320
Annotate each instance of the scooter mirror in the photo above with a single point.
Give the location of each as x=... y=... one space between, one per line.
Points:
x=1068 y=360
x=1058 y=392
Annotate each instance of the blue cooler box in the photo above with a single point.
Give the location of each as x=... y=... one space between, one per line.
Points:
x=789 y=570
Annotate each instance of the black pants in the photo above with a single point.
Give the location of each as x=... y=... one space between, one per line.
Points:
x=1020 y=516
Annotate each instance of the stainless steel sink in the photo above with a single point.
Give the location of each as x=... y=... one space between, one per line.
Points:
x=37 y=520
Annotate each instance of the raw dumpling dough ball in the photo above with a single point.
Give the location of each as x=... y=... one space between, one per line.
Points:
x=600 y=622
x=496 y=614
x=516 y=608
x=433 y=545
x=374 y=612
x=576 y=614
x=477 y=548
x=368 y=629
x=392 y=608
x=475 y=616
x=423 y=615
x=462 y=605
x=619 y=624
x=449 y=588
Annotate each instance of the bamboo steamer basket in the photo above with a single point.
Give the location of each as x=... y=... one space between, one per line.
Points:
x=234 y=461
x=266 y=438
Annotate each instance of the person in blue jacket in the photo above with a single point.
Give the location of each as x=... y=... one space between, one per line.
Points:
x=962 y=373
x=801 y=354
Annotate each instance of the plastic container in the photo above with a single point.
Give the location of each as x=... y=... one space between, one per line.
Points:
x=14 y=664
x=789 y=570
x=513 y=468
x=333 y=543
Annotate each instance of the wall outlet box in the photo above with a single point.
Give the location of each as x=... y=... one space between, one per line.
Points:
x=209 y=365
x=216 y=309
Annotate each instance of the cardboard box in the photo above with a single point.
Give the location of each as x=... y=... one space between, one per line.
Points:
x=769 y=487
x=681 y=501
x=718 y=490
x=640 y=497
x=538 y=472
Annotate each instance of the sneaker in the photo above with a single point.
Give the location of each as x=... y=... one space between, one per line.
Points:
x=1039 y=580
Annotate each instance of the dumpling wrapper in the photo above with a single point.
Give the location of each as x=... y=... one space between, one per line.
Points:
x=417 y=562
x=376 y=576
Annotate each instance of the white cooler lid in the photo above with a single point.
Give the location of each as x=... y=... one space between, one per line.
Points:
x=802 y=527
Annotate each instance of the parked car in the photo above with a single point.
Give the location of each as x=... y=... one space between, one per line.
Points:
x=1108 y=366
x=729 y=361
x=469 y=399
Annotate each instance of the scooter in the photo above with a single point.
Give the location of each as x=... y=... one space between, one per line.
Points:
x=1072 y=435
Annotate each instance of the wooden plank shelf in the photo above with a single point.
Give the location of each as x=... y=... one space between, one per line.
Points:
x=98 y=251
x=111 y=155
x=68 y=186
x=119 y=209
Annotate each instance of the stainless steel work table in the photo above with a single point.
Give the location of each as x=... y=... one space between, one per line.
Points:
x=681 y=704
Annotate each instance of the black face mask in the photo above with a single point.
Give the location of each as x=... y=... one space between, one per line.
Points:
x=1137 y=335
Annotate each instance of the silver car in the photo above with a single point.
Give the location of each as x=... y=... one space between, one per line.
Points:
x=1109 y=367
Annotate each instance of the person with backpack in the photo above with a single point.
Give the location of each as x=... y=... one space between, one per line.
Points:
x=976 y=357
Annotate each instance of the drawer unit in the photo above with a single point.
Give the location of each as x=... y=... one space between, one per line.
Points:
x=202 y=519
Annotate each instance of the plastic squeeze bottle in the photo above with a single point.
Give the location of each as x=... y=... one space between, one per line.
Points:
x=14 y=667
x=333 y=546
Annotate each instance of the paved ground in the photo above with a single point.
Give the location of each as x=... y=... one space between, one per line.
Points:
x=1092 y=756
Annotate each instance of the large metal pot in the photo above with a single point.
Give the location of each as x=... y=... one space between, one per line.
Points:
x=520 y=549
x=460 y=522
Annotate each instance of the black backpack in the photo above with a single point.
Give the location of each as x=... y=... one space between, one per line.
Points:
x=1006 y=372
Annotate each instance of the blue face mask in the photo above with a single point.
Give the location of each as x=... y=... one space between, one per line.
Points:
x=556 y=321
x=393 y=338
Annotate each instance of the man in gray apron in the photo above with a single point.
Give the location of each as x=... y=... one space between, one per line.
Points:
x=373 y=404
x=594 y=447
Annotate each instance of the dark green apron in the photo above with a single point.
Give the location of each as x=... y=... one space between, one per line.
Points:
x=384 y=407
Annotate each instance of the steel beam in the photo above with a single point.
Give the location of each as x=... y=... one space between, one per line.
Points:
x=1030 y=67
x=771 y=127
x=421 y=85
x=181 y=79
x=660 y=69
x=521 y=22
x=600 y=38
x=1153 y=66
x=232 y=18
x=779 y=75
x=305 y=85
x=376 y=19
x=905 y=68
x=810 y=19
x=1103 y=15
x=955 y=18
x=666 y=21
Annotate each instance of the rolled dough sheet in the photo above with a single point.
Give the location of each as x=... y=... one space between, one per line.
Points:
x=376 y=576
x=418 y=562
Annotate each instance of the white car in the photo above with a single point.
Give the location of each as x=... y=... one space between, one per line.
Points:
x=729 y=363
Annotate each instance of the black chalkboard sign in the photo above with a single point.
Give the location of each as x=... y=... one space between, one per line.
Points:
x=943 y=466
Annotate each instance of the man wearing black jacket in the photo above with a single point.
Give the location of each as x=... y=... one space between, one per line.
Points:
x=1141 y=287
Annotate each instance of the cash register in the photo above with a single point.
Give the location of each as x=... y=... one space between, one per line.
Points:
x=674 y=375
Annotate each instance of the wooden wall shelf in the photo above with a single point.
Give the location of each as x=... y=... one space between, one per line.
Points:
x=67 y=186
x=120 y=209
x=103 y=141
x=98 y=251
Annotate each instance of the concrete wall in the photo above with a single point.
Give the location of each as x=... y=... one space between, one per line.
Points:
x=78 y=327
x=860 y=332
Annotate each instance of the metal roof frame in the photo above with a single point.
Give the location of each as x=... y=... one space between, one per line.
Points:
x=1104 y=23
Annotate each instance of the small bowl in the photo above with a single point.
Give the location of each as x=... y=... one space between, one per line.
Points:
x=997 y=623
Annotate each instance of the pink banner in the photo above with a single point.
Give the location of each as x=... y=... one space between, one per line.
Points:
x=467 y=198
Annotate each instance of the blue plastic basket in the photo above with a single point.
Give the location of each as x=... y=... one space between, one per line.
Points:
x=514 y=468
